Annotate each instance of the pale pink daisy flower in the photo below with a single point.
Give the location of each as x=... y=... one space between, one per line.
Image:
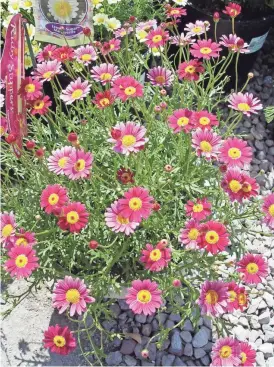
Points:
x=226 y=352
x=197 y=28
x=235 y=152
x=189 y=235
x=47 y=70
x=206 y=143
x=8 y=226
x=213 y=298
x=160 y=76
x=22 y=261
x=78 y=165
x=146 y=26
x=76 y=90
x=85 y=54
x=181 y=40
x=122 y=32
x=144 y=297
x=245 y=103
x=117 y=223
x=128 y=138
x=71 y=293
x=268 y=209
x=59 y=158
x=234 y=43
x=105 y=73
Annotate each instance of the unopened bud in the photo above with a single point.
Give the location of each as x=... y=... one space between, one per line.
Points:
x=250 y=75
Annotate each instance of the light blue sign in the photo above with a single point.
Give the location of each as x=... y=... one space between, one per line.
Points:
x=257 y=43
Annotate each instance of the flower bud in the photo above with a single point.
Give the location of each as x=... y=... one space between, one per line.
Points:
x=126 y=25
x=223 y=168
x=132 y=19
x=157 y=109
x=240 y=42
x=86 y=31
x=84 y=122
x=250 y=75
x=163 y=243
x=145 y=353
x=37 y=217
x=206 y=23
x=93 y=244
x=168 y=168
x=156 y=206
x=72 y=137
x=30 y=144
x=176 y=283
x=163 y=92
x=40 y=153
x=115 y=133
x=163 y=105
x=11 y=138
x=216 y=17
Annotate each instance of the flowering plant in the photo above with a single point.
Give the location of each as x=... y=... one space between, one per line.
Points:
x=132 y=177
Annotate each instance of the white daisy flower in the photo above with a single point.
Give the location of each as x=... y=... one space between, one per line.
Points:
x=31 y=30
x=180 y=2
x=97 y=3
x=27 y=4
x=112 y=24
x=113 y=1
x=14 y=6
x=63 y=10
x=100 y=19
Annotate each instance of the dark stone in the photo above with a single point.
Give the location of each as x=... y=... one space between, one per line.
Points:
x=115 y=309
x=128 y=346
x=141 y=318
x=176 y=346
x=152 y=351
x=109 y=324
x=123 y=305
x=169 y=324
x=161 y=317
x=155 y=325
x=168 y=359
x=179 y=362
x=188 y=351
x=130 y=361
x=146 y=329
x=175 y=317
x=114 y=358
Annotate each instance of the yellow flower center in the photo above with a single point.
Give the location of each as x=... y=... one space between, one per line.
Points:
x=204 y=121
x=232 y=296
x=62 y=8
x=144 y=296
x=29 y=88
x=7 y=230
x=62 y=162
x=197 y=208
x=77 y=93
x=243 y=357
x=205 y=146
x=190 y=69
x=252 y=268
x=128 y=140
x=157 y=38
x=104 y=102
x=105 y=76
x=21 y=261
x=246 y=187
x=135 y=204
x=242 y=299
x=72 y=217
x=27 y=3
x=271 y=210
x=235 y=186
x=59 y=341
x=2 y=130
x=243 y=107
x=212 y=237
x=155 y=255
x=48 y=74
x=122 y=220
x=174 y=11
x=196 y=29
x=160 y=79
x=182 y=121
x=234 y=153
x=211 y=297
x=205 y=50
x=129 y=91
x=142 y=34
x=86 y=57
x=72 y=296
x=38 y=105
x=21 y=241
x=225 y=351
x=193 y=234
x=80 y=165
x=53 y=199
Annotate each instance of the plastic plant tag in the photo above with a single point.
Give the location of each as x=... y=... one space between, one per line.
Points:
x=257 y=43
x=62 y=21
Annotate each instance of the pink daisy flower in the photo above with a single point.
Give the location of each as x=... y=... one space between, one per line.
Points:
x=30 y=89
x=22 y=261
x=253 y=268
x=233 y=10
x=3 y=125
x=74 y=217
x=157 y=38
x=234 y=43
x=137 y=204
x=232 y=300
x=78 y=165
x=103 y=99
x=53 y=198
x=205 y=49
x=117 y=223
x=247 y=355
x=105 y=73
x=190 y=70
x=190 y=234
x=235 y=152
x=85 y=54
x=268 y=209
x=197 y=28
x=181 y=40
x=122 y=32
x=226 y=352
x=75 y=90
x=57 y=162
x=59 y=340
x=175 y=12
x=23 y=238
x=249 y=187
x=40 y=106
x=242 y=297
x=155 y=258
x=245 y=103
x=127 y=87
x=128 y=138
x=47 y=70
x=144 y=297
x=114 y=44
x=146 y=26
x=181 y=120
x=213 y=298
x=207 y=143
x=205 y=120
x=232 y=184
x=63 y=54
x=214 y=237
x=160 y=76
x=198 y=210
x=8 y=226
x=71 y=293
x=46 y=53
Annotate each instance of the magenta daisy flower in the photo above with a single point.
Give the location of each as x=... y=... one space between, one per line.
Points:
x=128 y=138
x=205 y=49
x=247 y=355
x=78 y=164
x=155 y=258
x=85 y=54
x=40 y=106
x=22 y=238
x=8 y=226
x=136 y=205
x=74 y=217
x=30 y=89
x=232 y=300
x=47 y=70
x=157 y=38
x=75 y=90
x=22 y=261
x=253 y=268
x=59 y=340
x=205 y=120
x=126 y=87
x=235 y=152
x=160 y=76
x=53 y=198
x=268 y=209
x=198 y=210
x=190 y=70
x=214 y=237
x=189 y=235
x=232 y=184
x=206 y=143
x=249 y=187
x=144 y=297
x=105 y=73
x=181 y=120
x=226 y=352
x=46 y=53
x=245 y=103
x=59 y=159
x=233 y=10
x=71 y=293
x=117 y=223
x=213 y=298
x=234 y=43
x=197 y=28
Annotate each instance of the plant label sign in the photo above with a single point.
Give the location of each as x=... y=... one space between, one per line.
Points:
x=257 y=43
x=62 y=21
